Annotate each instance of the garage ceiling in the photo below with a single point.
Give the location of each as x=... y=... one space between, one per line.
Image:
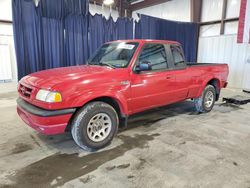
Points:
x=130 y=5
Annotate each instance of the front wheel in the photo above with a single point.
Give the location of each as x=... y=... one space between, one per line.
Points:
x=205 y=103
x=94 y=126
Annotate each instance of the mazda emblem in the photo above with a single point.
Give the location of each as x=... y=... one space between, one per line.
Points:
x=23 y=90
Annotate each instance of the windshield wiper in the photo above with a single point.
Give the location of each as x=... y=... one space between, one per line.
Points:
x=101 y=64
x=106 y=64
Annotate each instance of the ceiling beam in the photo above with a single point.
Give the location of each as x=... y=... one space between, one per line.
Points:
x=219 y=21
x=196 y=6
x=124 y=9
x=224 y=11
x=100 y=3
x=121 y=6
x=145 y=3
x=6 y=21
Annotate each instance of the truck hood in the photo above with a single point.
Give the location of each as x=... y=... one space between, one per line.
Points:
x=49 y=78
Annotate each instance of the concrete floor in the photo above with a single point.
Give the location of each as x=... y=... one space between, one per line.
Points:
x=165 y=147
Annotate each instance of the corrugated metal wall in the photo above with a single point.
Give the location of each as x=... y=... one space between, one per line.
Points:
x=224 y=49
x=5 y=63
x=178 y=10
x=7 y=53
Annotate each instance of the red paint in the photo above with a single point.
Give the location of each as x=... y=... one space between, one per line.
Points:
x=81 y=84
x=241 y=25
x=45 y=125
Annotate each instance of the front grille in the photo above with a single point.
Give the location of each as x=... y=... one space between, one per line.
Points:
x=25 y=91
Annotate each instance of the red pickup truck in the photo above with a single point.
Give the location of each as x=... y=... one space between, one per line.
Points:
x=122 y=78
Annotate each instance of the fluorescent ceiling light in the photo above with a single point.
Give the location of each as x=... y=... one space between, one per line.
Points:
x=135 y=2
x=108 y=2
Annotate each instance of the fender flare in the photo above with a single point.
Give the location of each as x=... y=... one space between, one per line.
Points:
x=205 y=83
x=118 y=97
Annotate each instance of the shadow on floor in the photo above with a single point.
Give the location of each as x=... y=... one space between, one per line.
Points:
x=65 y=143
x=145 y=119
x=149 y=117
x=41 y=173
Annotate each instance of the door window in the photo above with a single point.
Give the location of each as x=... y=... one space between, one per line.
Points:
x=178 y=57
x=154 y=55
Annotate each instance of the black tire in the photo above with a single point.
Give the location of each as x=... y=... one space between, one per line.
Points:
x=82 y=119
x=200 y=103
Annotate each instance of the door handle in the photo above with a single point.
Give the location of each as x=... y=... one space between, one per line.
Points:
x=168 y=77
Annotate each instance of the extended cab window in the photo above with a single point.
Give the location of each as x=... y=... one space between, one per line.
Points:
x=178 y=57
x=154 y=55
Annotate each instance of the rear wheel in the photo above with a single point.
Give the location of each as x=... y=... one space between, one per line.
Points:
x=205 y=103
x=94 y=126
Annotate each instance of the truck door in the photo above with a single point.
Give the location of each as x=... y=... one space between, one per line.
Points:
x=180 y=86
x=149 y=88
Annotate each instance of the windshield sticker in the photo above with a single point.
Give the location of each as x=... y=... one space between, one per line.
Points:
x=126 y=46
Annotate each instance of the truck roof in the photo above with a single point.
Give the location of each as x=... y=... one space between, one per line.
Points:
x=148 y=40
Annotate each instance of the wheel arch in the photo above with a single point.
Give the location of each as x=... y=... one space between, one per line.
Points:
x=214 y=82
x=112 y=101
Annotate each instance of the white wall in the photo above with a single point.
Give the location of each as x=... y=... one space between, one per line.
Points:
x=5 y=10
x=8 y=58
x=105 y=11
x=178 y=10
x=216 y=48
x=7 y=53
x=211 y=10
x=224 y=49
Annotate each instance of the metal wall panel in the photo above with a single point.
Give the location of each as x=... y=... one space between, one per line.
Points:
x=211 y=10
x=233 y=8
x=178 y=10
x=5 y=63
x=5 y=10
x=224 y=49
x=6 y=38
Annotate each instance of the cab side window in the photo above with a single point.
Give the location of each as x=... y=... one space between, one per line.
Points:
x=154 y=55
x=178 y=57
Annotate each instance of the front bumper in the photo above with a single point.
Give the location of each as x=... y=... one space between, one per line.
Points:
x=49 y=122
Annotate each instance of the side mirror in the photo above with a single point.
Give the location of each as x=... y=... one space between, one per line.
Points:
x=144 y=66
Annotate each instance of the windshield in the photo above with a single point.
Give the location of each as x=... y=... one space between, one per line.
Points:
x=116 y=55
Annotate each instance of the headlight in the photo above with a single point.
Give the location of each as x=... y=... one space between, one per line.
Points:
x=48 y=96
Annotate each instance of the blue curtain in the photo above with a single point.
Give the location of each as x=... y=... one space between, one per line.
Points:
x=102 y=30
x=52 y=8
x=78 y=7
x=76 y=32
x=63 y=33
x=109 y=26
x=185 y=33
x=76 y=39
x=51 y=15
x=39 y=34
x=154 y=28
x=147 y=28
x=53 y=42
x=61 y=8
x=123 y=29
x=96 y=32
x=27 y=36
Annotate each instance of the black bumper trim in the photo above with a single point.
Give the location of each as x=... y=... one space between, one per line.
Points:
x=42 y=112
